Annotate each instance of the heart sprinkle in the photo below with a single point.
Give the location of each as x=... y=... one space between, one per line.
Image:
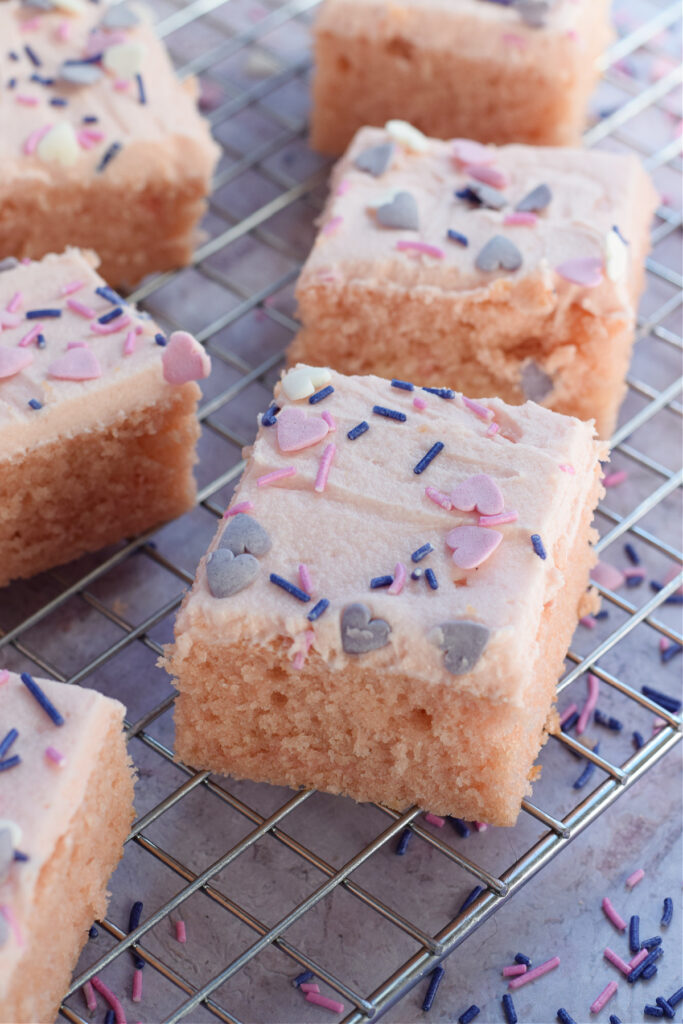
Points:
x=535 y=201
x=375 y=159
x=302 y=381
x=586 y=272
x=478 y=492
x=463 y=643
x=227 y=574
x=244 y=535
x=296 y=430
x=499 y=253
x=360 y=633
x=472 y=545
x=400 y=213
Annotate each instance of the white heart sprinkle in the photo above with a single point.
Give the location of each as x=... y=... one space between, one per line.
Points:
x=60 y=145
x=407 y=136
x=303 y=380
x=616 y=256
x=124 y=59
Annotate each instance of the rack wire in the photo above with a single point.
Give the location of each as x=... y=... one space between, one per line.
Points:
x=242 y=273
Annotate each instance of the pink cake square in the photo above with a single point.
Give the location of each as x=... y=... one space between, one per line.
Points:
x=102 y=146
x=66 y=807
x=481 y=69
x=512 y=271
x=355 y=628
x=97 y=415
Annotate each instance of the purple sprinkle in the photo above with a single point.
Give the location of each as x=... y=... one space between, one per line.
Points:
x=537 y=545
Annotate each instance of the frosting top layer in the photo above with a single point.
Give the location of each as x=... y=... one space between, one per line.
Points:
x=372 y=511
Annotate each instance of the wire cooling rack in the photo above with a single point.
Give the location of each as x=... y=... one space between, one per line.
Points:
x=103 y=620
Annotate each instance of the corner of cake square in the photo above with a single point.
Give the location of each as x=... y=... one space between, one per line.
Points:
x=386 y=606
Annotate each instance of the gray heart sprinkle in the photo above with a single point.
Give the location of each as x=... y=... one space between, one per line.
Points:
x=9 y=263
x=80 y=74
x=533 y=12
x=400 y=213
x=244 y=534
x=227 y=574
x=375 y=159
x=536 y=200
x=6 y=852
x=360 y=633
x=536 y=383
x=463 y=643
x=499 y=253
x=488 y=196
x=119 y=16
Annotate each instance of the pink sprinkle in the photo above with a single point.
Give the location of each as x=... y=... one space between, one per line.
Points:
x=502 y=517
x=614 y=479
x=71 y=287
x=15 y=302
x=10 y=319
x=121 y=84
x=324 y=468
x=9 y=916
x=30 y=24
x=637 y=959
x=477 y=408
x=404 y=245
x=81 y=308
x=31 y=336
x=4 y=676
x=137 y=986
x=633 y=879
x=114 y=327
x=493 y=429
x=26 y=101
x=658 y=725
x=512 y=39
x=604 y=997
x=664 y=644
x=328 y=1004
x=309 y=987
x=300 y=656
x=566 y=468
x=343 y=187
x=670 y=575
x=76 y=344
x=439 y=498
x=92 y=134
x=105 y=991
x=514 y=970
x=180 y=932
x=537 y=972
x=129 y=343
x=567 y=713
x=89 y=996
x=84 y=139
x=615 y=959
x=399 y=579
x=590 y=705
x=612 y=915
x=329 y=419
x=305 y=578
x=434 y=819
x=481 y=826
x=585 y=272
x=277 y=474
x=635 y=574
x=332 y=225
x=466 y=151
x=63 y=31
x=54 y=755
x=235 y=510
x=489 y=175
x=607 y=576
x=588 y=622
x=31 y=143
x=522 y=218
x=419 y=403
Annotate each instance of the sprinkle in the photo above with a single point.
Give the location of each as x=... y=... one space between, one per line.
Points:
x=403 y=245
x=591 y=702
x=320 y=395
x=612 y=915
x=11 y=762
x=31 y=142
x=604 y=997
x=634 y=577
x=469 y=1014
x=435 y=819
x=136 y=995
x=655 y=940
x=402 y=846
x=32 y=56
x=637 y=959
x=7 y=742
x=35 y=404
x=564 y=1016
x=664 y=701
x=644 y=964
x=89 y=996
x=587 y=771
x=666 y=1006
x=667 y=914
x=296 y=592
x=476 y=892
x=81 y=308
x=113 y=314
x=430 y=576
x=38 y=314
x=391 y=414
x=613 y=958
x=457 y=236
x=381 y=581
x=428 y=457
x=241 y=506
x=318 y=609
x=675 y=999
x=416 y=574
x=509 y=1010
x=514 y=970
x=329 y=419
x=71 y=287
x=422 y=552
x=477 y=408
x=308 y=987
x=676 y=598
x=399 y=579
x=587 y=272
x=614 y=479
x=602 y=615
x=537 y=545
x=31 y=336
x=439 y=498
x=269 y=417
x=119 y=324
x=324 y=468
x=104 y=990
x=653 y=1011
x=458 y=824
x=520 y=218
x=607 y=721
x=327 y=1004
x=180 y=931
x=129 y=343
x=277 y=474
x=434 y=982
x=55 y=756
x=36 y=692
x=568 y=713
x=109 y=1017
x=302 y=978
x=105 y=292
x=493 y=429
x=26 y=101
x=108 y=156
x=446 y=393
x=638 y=740
x=520 y=958
x=305 y=579
x=403 y=385
x=537 y=972
x=141 y=89
x=498 y=520
x=588 y=622
x=670 y=652
x=356 y=431
x=93 y=932
x=133 y=922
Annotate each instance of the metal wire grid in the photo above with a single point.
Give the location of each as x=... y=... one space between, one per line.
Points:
x=556 y=832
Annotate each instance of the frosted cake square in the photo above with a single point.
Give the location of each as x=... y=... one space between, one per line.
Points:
x=97 y=415
x=386 y=606
x=497 y=72
x=512 y=271
x=102 y=145
x=67 y=806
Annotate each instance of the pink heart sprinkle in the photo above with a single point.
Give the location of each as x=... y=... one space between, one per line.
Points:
x=76 y=364
x=472 y=545
x=466 y=151
x=184 y=359
x=14 y=360
x=478 y=492
x=296 y=430
x=489 y=175
x=586 y=272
